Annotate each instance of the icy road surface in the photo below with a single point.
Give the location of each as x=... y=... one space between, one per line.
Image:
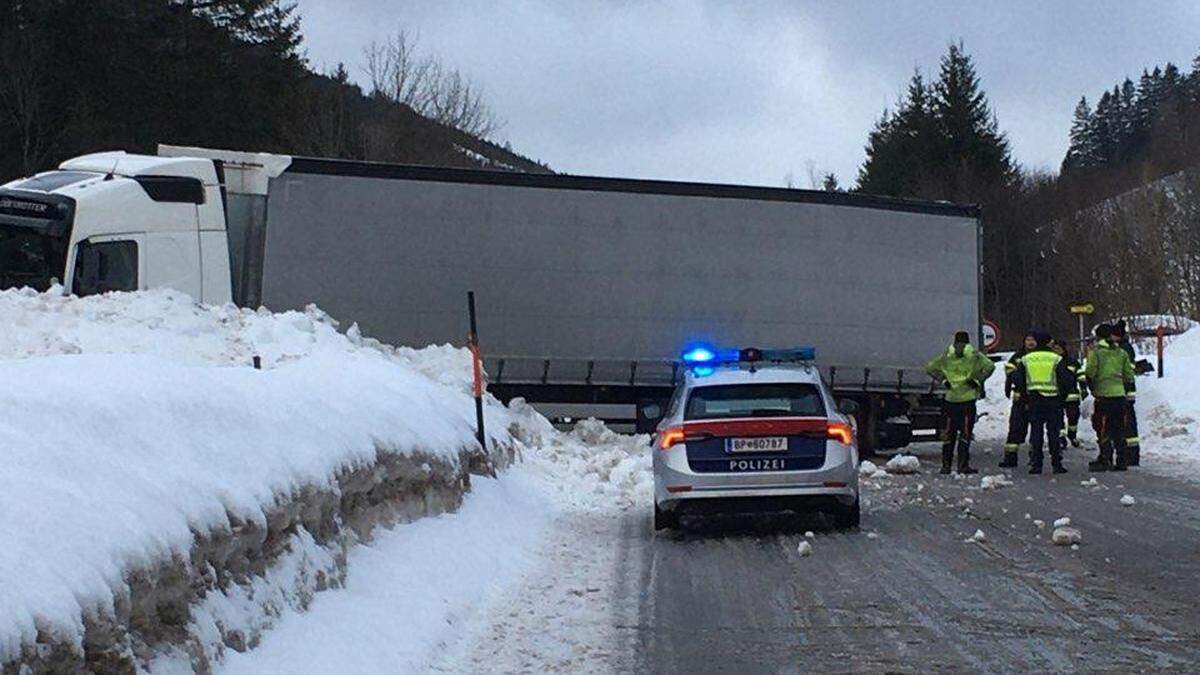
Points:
x=906 y=593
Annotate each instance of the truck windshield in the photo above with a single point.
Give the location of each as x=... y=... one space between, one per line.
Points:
x=754 y=400
x=30 y=258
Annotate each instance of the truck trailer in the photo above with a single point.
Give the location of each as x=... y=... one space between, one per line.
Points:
x=588 y=288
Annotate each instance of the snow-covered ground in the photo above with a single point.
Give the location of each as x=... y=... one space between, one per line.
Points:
x=129 y=422
x=170 y=431
x=422 y=596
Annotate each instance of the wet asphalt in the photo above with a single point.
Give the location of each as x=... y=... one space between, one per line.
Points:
x=906 y=593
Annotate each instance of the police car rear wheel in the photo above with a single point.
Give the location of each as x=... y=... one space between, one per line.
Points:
x=848 y=517
x=664 y=520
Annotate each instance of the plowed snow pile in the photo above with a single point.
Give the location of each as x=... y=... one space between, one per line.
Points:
x=128 y=422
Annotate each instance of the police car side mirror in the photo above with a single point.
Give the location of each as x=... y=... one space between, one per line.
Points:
x=847 y=407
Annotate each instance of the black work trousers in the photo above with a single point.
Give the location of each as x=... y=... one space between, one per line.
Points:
x=1109 y=421
x=958 y=424
x=1045 y=428
x=1018 y=425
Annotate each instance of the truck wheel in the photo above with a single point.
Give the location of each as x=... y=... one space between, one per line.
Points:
x=848 y=517
x=664 y=520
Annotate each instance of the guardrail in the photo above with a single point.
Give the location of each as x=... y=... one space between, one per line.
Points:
x=607 y=371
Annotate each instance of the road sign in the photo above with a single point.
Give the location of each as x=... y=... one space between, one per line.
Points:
x=991 y=335
x=1087 y=308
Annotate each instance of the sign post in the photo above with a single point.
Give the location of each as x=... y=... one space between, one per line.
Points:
x=1160 y=333
x=1081 y=310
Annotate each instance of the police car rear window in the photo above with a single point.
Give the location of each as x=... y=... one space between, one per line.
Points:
x=754 y=400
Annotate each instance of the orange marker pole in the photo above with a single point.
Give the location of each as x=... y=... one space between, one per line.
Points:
x=1160 y=333
x=477 y=368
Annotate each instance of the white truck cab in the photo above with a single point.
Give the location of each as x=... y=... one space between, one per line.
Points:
x=114 y=221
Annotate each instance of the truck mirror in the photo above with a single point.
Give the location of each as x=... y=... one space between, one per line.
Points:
x=649 y=414
x=848 y=406
x=652 y=411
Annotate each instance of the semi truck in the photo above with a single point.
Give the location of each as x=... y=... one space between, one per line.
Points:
x=588 y=288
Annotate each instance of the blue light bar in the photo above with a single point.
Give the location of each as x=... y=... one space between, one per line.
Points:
x=787 y=355
x=701 y=355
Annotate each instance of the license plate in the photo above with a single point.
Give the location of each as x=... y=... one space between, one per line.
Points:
x=763 y=444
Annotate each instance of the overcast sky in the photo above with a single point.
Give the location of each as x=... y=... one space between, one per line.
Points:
x=748 y=92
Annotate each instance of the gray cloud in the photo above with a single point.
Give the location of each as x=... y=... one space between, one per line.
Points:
x=748 y=92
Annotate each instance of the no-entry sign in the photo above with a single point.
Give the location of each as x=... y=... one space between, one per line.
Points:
x=991 y=335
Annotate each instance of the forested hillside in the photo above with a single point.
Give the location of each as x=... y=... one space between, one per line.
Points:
x=79 y=76
x=1119 y=226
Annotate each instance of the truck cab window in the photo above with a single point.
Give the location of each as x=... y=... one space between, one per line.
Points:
x=105 y=266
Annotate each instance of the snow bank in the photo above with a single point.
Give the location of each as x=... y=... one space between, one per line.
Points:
x=590 y=466
x=132 y=426
x=1169 y=411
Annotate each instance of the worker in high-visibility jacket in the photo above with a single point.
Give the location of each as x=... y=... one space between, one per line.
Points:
x=1043 y=380
x=1133 y=442
x=963 y=370
x=1074 y=397
x=1018 y=426
x=1109 y=375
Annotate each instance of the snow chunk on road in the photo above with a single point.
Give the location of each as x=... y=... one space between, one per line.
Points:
x=1066 y=536
x=1128 y=500
x=978 y=538
x=1039 y=524
x=903 y=464
x=805 y=549
x=995 y=482
x=1062 y=522
x=1091 y=482
x=868 y=468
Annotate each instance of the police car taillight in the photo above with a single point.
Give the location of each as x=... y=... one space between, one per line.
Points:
x=840 y=432
x=670 y=438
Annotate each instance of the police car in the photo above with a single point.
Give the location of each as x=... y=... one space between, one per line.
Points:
x=752 y=430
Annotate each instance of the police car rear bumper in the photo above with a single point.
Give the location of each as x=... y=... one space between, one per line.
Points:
x=675 y=483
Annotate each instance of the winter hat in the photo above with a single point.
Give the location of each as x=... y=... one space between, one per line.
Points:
x=1042 y=339
x=1119 y=329
x=962 y=338
x=1104 y=331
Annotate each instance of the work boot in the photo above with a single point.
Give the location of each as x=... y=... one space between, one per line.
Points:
x=947 y=458
x=1134 y=455
x=1122 y=461
x=1056 y=465
x=1010 y=460
x=1035 y=469
x=964 y=462
x=1098 y=465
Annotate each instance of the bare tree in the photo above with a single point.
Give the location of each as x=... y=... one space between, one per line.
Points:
x=398 y=72
x=23 y=95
